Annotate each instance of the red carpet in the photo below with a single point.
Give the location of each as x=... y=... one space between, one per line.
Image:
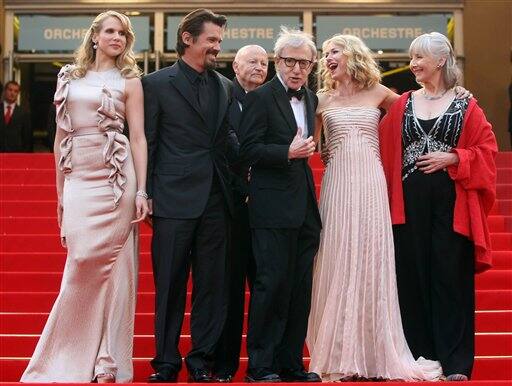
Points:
x=31 y=262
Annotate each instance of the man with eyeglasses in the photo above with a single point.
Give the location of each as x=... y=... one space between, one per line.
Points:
x=278 y=123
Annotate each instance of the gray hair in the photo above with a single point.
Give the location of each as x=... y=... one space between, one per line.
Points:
x=438 y=46
x=289 y=37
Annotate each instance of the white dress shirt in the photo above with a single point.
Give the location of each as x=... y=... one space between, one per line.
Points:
x=299 y=111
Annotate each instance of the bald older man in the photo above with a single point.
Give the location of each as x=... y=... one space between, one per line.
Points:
x=250 y=66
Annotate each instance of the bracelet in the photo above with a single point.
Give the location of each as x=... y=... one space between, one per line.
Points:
x=142 y=194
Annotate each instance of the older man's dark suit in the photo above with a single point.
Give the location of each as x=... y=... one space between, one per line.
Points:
x=17 y=135
x=188 y=180
x=285 y=225
x=240 y=260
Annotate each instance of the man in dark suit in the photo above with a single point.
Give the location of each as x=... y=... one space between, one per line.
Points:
x=15 y=128
x=186 y=121
x=250 y=66
x=278 y=124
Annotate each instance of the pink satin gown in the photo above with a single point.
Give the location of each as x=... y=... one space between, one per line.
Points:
x=90 y=327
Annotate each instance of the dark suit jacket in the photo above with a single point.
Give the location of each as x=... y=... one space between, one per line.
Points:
x=183 y=153
x=279 y=188
x=17 y=135
x=239 y=171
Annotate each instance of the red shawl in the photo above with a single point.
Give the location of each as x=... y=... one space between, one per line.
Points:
x=474 y=175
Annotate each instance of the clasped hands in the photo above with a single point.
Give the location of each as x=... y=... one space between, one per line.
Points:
x=301 y=147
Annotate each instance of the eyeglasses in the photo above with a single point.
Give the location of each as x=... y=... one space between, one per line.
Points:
x=291 y=62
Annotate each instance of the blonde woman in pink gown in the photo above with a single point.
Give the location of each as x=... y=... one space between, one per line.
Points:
x=355 y=329
x=101 y=196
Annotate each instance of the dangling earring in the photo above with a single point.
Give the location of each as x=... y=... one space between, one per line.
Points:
x=95 y=46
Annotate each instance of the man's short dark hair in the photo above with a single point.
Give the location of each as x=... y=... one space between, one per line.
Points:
x=13 y=82
x=193 y=23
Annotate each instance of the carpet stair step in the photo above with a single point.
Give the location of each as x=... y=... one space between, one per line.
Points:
x=28 y=177
x=42 y=225
x=35 y=208
x=54 y=261
x=50 y=281
x=502 y=207
x=43 y=301
x=502 y=259
x=23 y=161
x=33 y=322
x=51 y=243
x=486 y=344
x=47 y=161
x=45 y=190
x=504 y=191
x=51 y=261
x=498 y=370
x=504 y=175
x=500 y=223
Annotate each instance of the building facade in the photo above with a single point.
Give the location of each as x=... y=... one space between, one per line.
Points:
x=38 y=37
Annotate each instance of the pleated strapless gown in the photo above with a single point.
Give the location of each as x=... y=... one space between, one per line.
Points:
x=355 y=329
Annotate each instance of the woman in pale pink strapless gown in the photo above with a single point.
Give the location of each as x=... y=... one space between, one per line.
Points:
x=355 y=329
x=89 y=333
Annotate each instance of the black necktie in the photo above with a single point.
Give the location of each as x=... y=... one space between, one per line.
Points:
x=202 y=93
x=295 y=93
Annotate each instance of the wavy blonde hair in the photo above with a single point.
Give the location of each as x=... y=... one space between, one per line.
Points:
x=361 y=66
x=86 y=54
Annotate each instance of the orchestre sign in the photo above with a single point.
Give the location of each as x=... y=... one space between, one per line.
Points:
x=241 y=30
x=381 y=32
x=65 y=33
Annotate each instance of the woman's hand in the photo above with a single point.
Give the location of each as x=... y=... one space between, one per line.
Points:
x=461 y=93
x=435 y=161
x=60 y=211
x=142 y=209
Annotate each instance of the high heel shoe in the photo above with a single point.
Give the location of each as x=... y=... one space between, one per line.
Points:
x=105 y=378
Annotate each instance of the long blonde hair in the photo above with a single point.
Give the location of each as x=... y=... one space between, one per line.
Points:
x=86 y=54
x=361 y=66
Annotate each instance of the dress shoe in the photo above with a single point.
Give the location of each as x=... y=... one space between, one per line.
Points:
x=223 y=378
x=163 y=376
x=199 y=376
x=299 y=376
x=264 y=378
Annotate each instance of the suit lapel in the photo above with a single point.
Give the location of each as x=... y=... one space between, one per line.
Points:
x=181 y=83
x=283 y=102
x=310 y=112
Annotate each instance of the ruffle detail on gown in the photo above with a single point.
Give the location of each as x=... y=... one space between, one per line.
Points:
x=62 y=117
x=115 y=151
x=114 y=155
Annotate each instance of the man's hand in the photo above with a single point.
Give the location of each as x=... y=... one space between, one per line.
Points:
x=300 y=147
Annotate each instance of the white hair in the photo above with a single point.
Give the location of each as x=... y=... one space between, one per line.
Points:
x=436 y=45
x=293 y=38
x=252 y=47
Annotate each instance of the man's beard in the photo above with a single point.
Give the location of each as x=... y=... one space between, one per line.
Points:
x=211 y=65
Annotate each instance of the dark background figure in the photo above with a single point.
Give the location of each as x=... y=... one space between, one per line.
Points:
x=250 y=66
x=188 y=182
x=15 y=128
x=278 y=123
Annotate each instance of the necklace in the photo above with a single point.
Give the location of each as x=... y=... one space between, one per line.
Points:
x=433 y=97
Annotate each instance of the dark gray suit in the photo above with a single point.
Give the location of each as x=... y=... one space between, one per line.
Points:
x=188 y=180
x=17 y=135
